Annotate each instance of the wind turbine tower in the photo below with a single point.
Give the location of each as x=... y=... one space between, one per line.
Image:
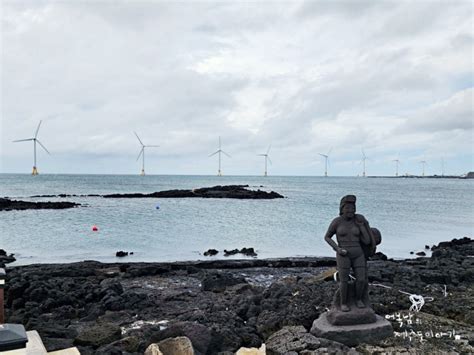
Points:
x=35 y=140
x=423 y=162
x=326 y=157
x=397 y=161
x=219 y=151
x=142 y=153
x=364 y=158
x=267 y=157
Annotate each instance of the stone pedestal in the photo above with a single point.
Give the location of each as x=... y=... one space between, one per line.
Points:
x=352 y=335
x=355 y=316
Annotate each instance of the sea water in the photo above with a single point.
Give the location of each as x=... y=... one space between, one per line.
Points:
x=410 y=213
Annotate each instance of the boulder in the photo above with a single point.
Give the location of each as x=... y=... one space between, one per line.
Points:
x=198 y=334
x=176 y=346
x=252 y=351
x=153 y=349
x=98 y=335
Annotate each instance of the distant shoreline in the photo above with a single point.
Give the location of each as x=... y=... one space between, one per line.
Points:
x=423 y=177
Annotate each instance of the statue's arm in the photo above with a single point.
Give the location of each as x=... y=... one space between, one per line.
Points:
x=330 y=233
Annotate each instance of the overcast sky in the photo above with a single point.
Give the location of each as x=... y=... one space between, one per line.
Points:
x=393 y=78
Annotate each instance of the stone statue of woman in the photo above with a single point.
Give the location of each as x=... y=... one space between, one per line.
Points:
x=355 y=242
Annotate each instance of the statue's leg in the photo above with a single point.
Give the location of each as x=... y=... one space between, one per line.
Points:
x=360 y=285
x=344 y=277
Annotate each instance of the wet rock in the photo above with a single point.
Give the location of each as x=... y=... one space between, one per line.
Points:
x=121 y=253
x=5 y=259
x=211 y=252
x=244 y=251
x=421 y=253
x=11 y=205
x=229 y=191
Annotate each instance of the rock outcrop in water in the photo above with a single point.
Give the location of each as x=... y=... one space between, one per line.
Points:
x=10 y=205
x=227 y=191
x=222 y=305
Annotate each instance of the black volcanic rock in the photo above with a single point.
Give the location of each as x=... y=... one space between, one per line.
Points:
x=245 y=251
x=211 y=252
x=222 y=305
x=5 y=258
x=229 y=191
x=10 y=205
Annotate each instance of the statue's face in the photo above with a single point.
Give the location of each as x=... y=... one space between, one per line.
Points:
x=348 y=210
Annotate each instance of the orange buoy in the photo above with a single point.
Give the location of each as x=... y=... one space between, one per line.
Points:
x=95 y=229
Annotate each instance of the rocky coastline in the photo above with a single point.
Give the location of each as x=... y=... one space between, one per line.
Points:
x=223 y=305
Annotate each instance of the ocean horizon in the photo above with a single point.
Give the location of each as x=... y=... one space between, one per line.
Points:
x=410 y=213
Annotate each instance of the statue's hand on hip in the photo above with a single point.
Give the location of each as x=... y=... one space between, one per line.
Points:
x=341 y=251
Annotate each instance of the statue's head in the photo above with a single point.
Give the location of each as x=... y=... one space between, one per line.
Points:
x=347 y=207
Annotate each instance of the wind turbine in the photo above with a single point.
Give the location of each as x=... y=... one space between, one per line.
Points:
x=142 y=153
x=219 y=173
x=326 y=157
x=397 y=161
x=35 y=140
x=266 y=158
x=423 y=162
x=364 y=158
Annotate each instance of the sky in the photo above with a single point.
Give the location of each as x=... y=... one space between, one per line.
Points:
x=389 y=79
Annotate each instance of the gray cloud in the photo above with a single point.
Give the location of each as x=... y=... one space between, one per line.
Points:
x=304 y=76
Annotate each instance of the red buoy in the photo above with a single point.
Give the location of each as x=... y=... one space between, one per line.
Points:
x=95 y=229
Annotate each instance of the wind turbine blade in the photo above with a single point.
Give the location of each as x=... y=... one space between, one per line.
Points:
x=268 y=150
x=37 y=129
x=24 y=140
x=43 y=147
x=261 y=155
x=323 y=155
x=139 y=138
x=226 y=154
x=154 y=146
x=269 y=160
x=329 y=151
x=214 y=153
x=141 y=151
